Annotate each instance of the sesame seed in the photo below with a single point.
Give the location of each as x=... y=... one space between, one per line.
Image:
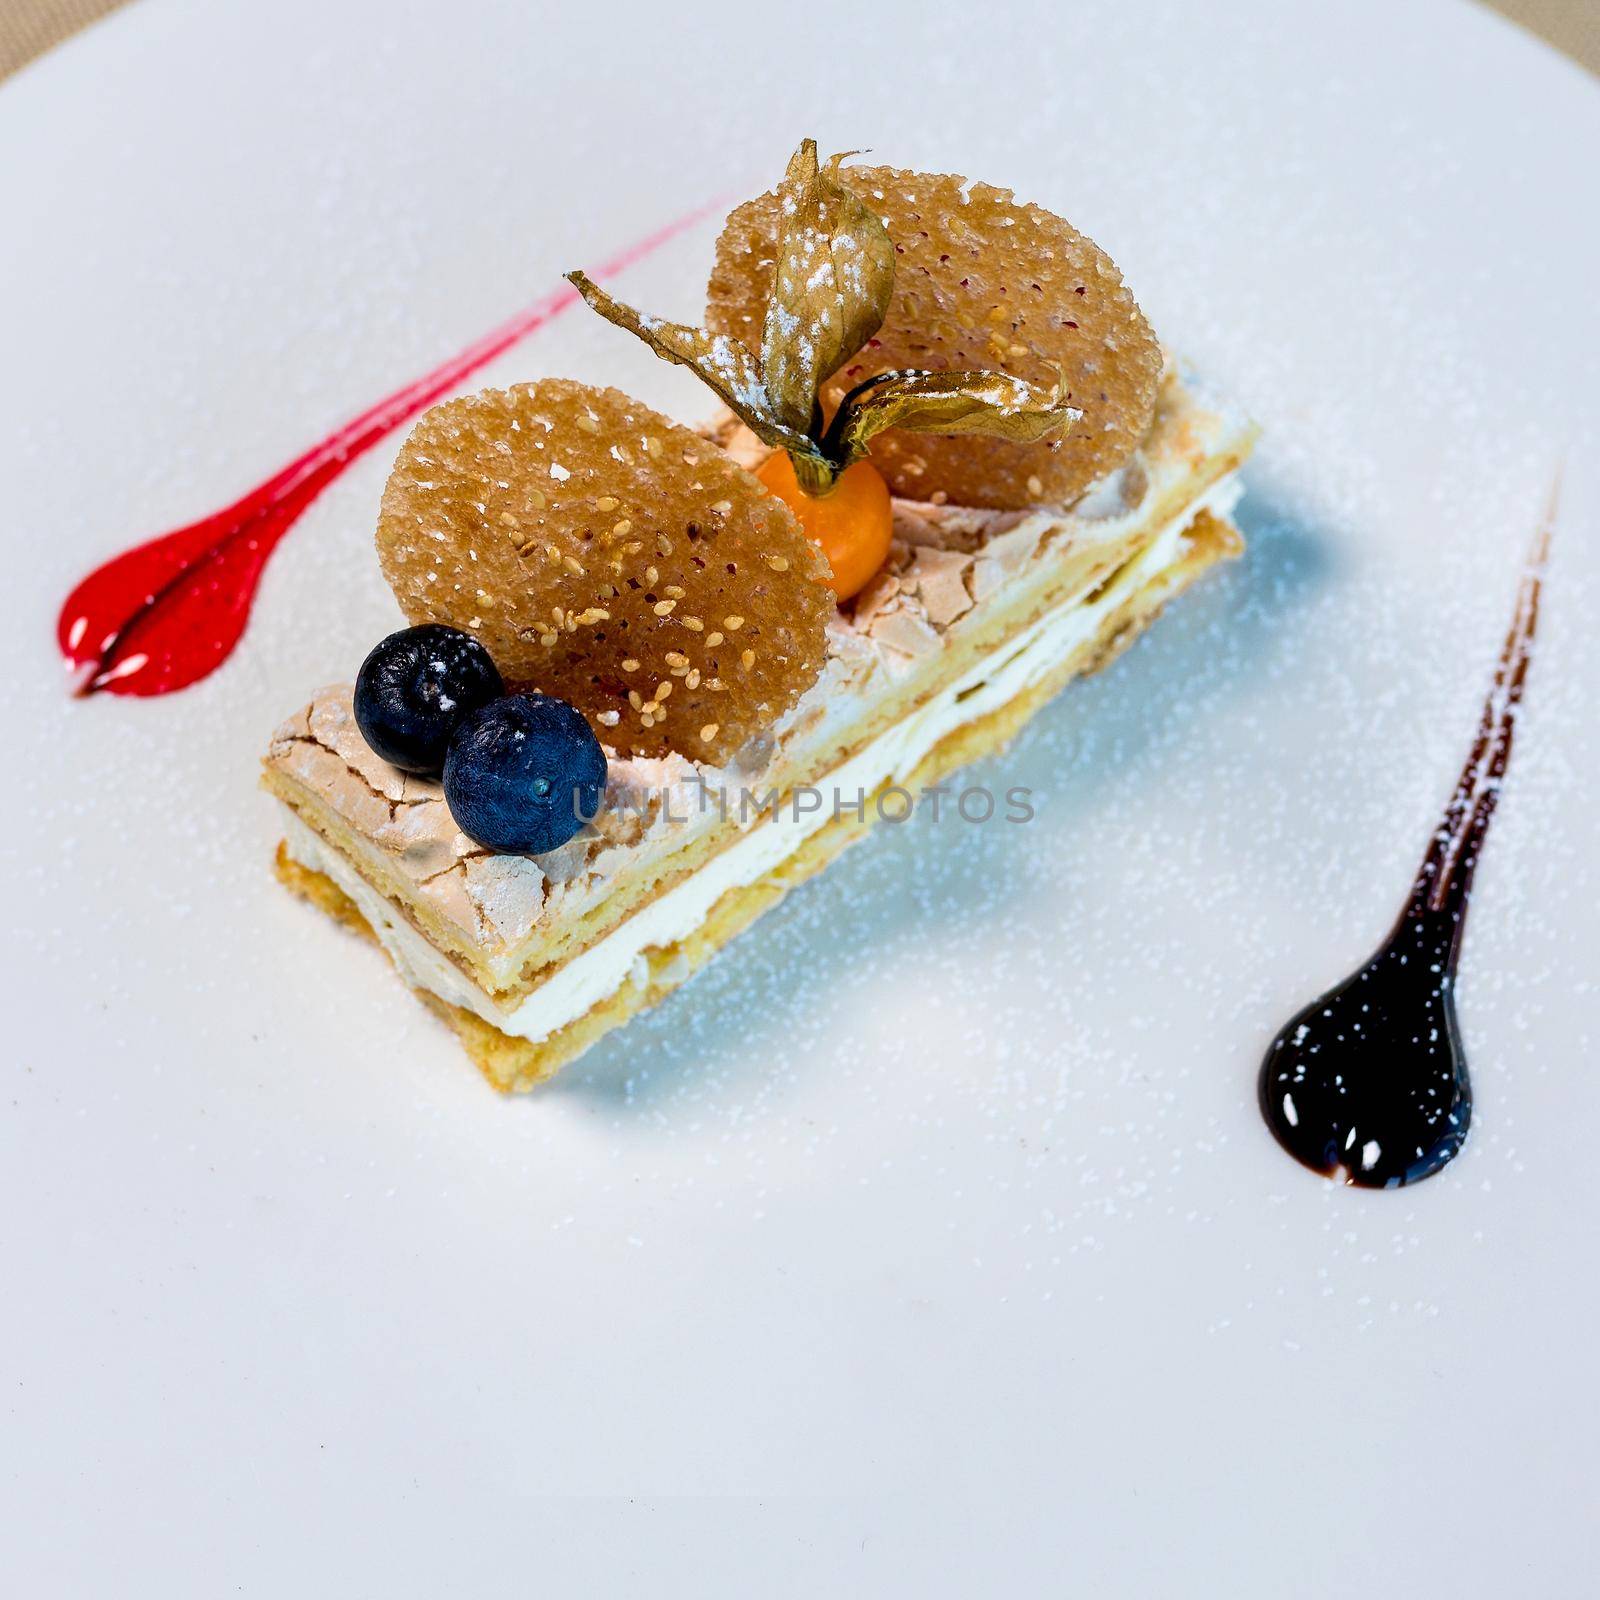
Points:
x=652 y=445
x=1035 y=487
x=709 y=732
x=675 y=658
x=607 y=502
x=508 y=521
x=635 y=699
x=536 y=499
x=778 y=563
x=747 y=660
x=589 y=424
x=622 y=527
x=663 y=689
x=713 y=639
x=547 y=639
x=574 y=566
x=693 y=624
x=733 y=624
x=692 y=678
x=674 y=591
x=663 y=608
x=651 y=575
x=630 y=665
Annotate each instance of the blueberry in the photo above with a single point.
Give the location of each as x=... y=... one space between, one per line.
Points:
x=524 y=774
x=414 y=689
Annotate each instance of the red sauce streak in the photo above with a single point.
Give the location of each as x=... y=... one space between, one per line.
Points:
x=170 y=611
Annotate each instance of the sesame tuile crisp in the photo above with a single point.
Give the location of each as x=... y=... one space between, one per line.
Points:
x=600 y=551
x=981 y=281
x=830 y=277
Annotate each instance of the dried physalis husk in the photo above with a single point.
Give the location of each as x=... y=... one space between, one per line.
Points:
x=724 y=365
x=981 y=281
x=949 y=402
x=832 y=285
x=604 y=554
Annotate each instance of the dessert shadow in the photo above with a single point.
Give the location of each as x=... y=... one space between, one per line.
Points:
x=735 y=1022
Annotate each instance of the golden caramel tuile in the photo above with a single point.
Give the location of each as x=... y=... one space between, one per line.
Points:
x=981 y=281
x=604 y=554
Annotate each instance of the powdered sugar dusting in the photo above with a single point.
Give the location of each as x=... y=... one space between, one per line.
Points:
x=948 y=1180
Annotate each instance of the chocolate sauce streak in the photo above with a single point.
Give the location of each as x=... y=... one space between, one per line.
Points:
x=1369 y=1083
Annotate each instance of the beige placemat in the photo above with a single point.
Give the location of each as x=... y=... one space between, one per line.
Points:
x=29 y=27
x=1570 y=25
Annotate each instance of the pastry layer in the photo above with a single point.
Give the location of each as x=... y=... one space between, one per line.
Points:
x=961 y=590
x=991 y=707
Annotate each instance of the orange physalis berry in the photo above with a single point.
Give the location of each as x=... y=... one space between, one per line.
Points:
x=851 y=523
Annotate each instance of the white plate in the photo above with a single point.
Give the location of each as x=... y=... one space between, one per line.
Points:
x=937 y=1219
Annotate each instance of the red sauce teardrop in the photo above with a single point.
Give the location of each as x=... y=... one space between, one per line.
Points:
x=170 y=611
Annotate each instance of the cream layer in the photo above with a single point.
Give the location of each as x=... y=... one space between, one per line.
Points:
x=600 y=970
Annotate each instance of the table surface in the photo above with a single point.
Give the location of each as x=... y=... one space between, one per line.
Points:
x=30 y=27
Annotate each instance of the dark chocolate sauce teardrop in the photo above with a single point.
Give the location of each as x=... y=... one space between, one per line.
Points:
x=1369 y=1083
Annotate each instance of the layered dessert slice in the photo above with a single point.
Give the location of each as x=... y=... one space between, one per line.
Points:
x=728 y=657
